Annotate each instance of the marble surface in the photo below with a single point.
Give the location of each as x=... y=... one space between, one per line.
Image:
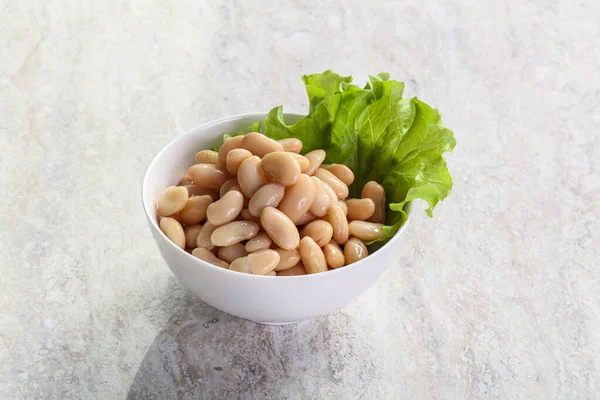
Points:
x=497 y=297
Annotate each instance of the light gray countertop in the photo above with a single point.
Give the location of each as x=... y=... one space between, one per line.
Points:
x=497 y=297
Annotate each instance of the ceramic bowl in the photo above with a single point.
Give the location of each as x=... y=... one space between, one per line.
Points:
x=262 y=299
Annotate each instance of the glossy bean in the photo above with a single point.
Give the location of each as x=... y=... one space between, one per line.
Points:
x=250 y=176
x=203 y=239
x=306 y=218
x=186 y=180
x=297 y=269
x=342 y=172
x=194 y=211
x=226 y=209
x=342 y=204
x=360 y=209
x=312 y=256
x=315 y=159
x=240 y=265
x=233 y=252
x=207 y=157
x=208 y=176
x=262 y=262
x=281 y=167
x=228 y=145
x=287 y=258
x=330 y=193
x=366 y=231
x=235 y=158
x=227 y=186
x=247 y=216
x=376 y=192
x=334 y=255
x=302 y=162
x=234 y=232
x=194 y=190
x=173 y=230
x=280 y=228
x=354 y=250
x=321 y=201
x=336 y=217
x=260 y=145
x=209 y=257
x=262 y=241
x=171 y=200
x=298 y=198
x=270 y=195
x=339 y=187
x=271 y=273
x=191 y=234
x=291 y=144
x=320 y=231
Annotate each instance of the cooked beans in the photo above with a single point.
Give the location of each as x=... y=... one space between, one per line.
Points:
x=226 y=209
x=298 y=198
x=203 y=238
x=233 y=252
x=250 y=176
x=173 y=230
x=342 y=172
x=229 y=185
x=194 y=211
x=302 y=162
x=366 y=231
x=240 y=265
x=228 y=145
x=339 y=187
x=297 y=269
x=360 y=209
x=321 y=201
x=207 y=157
x=321 y=232
x=262 y=262
x=291 y=144
x=235 y=158
x=208 y=175
x=234 y=232
x=342 y=204
x=194 y=190
x=267 y=196
x=171 y=200
x=246 y=216
x=315 y=159
x=306 y=218
x=354 y=250
x=260 y=145
x=287 y=259
x=209 y=257
x=281 y=167
x=312 y=256
x=191 y=234
x=280 y=228
x=257 y=206
x=330 y=193
x=262 y=241
x=334 y=255
x=376 y=192
x=339 y=223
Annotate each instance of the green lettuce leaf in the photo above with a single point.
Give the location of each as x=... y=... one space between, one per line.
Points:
x=380 y=135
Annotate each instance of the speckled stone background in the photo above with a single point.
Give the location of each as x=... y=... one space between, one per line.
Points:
x=497 y=297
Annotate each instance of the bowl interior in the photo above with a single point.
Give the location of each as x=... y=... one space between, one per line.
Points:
x=171 y=164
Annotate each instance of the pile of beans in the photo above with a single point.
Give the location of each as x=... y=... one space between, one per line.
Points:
x=258 y=206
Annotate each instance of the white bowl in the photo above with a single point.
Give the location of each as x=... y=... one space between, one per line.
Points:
x=263 y=299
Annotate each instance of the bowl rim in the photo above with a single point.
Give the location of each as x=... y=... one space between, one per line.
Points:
x=260 y=115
